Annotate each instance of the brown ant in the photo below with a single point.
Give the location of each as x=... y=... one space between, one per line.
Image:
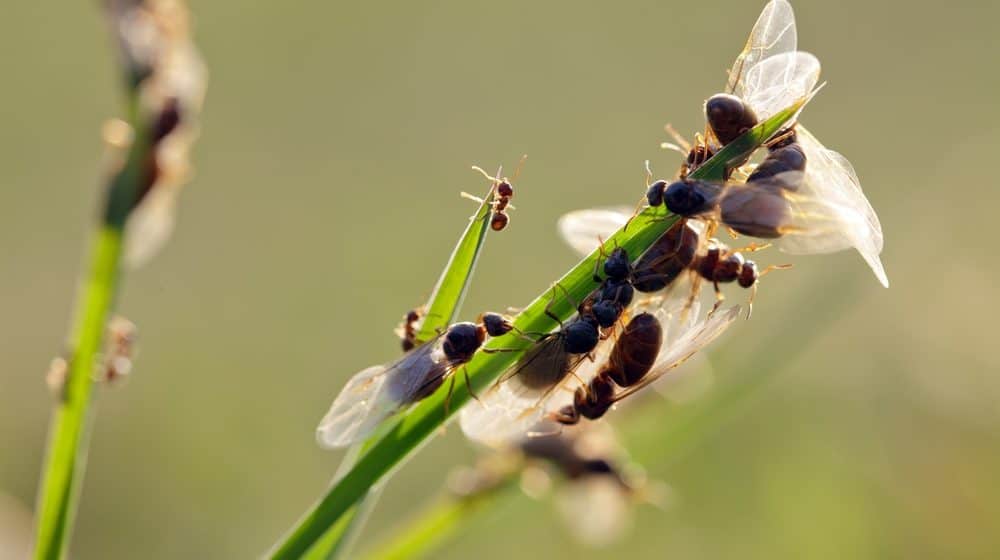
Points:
x=407 y=330
x=503 y=191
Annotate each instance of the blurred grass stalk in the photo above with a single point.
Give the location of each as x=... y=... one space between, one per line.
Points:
x=164 y=84
x=70 y=423
x=441 y=310
x=434 y=526
x=72 y=417
x=429 y=415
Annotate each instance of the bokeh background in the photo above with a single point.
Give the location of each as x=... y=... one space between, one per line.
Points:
x=335 y=141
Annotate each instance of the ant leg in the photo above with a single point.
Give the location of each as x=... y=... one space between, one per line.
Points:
x=597 y=262
x=500 y=350
x=468 y=385
x=781 y=137
x=578 y=379
x=642 y=200
x=489 y=177
x=526 y=335
x=774 y=267
x=548 y=308
x=753 y=294
x=447 y=398
x=695 y=291
x=753 y=247
x=635 y=213
x=473 y=197
x=673 y=147
x=677 y=137
x=719 y=298
x=711 y=226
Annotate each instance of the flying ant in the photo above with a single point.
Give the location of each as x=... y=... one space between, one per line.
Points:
x=120 y=348
x=377 y=392
x=503 y=191
x=553 y=358
x=407 y=330
x=640 y=357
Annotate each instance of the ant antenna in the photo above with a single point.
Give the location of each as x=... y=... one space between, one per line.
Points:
x=681 y=142
x=489 y=177
x=517 y=171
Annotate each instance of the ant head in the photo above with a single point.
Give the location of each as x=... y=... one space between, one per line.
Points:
x=495 y=324
x=618 y=266
x=748 y=274
x=654 y=194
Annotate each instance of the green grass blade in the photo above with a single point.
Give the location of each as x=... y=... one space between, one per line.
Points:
x=66 y=455
x=446 y=299
x=442 y=309
x=430 y=415
x=69 y=426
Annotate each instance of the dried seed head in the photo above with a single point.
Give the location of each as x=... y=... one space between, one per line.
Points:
x=119 y=348
x=57 y=374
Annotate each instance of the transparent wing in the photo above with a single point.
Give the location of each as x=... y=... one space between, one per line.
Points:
x=774 y=33
x=509 y=410
x=500 y=417
x=376 y=393
x=584 y=230
x=682 y=345
x=831 y=211
x=777 y=82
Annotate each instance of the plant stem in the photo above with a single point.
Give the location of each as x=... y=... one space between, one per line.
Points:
x=67 y=444
x=69 y=426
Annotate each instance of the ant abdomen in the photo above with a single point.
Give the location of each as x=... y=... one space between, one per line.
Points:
x=729 y=117
x=636 y=350
x=671 y=255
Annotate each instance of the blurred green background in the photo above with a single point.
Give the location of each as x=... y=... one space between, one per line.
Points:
x=875 y=435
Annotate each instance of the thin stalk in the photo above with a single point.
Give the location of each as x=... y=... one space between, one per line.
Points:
x=428 y=416
x=71 y=419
